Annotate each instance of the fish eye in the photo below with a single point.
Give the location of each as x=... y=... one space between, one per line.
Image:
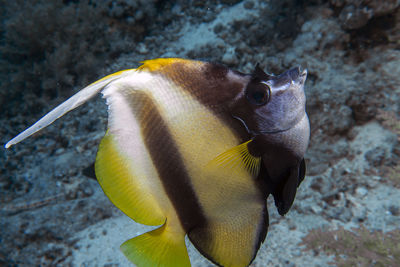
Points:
x=258 y=93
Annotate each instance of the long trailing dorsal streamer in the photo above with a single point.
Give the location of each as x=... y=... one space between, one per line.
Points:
x=73 y=102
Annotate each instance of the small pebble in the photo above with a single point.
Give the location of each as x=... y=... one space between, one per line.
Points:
x=142 y=49
x=230 y=57
x=60 y=151
x=316 y=209
x=361 y=191
x=91 y=235
x=394 y=210
x=249 y=5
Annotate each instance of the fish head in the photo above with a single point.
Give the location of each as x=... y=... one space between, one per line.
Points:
x=271 y=104
x=272 y=109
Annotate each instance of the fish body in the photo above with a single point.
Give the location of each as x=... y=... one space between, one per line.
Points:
x=196 y=148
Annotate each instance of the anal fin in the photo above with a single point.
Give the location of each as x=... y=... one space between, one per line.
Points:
x=160 y=247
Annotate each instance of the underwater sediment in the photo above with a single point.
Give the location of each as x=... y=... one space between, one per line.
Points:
x=55 y=214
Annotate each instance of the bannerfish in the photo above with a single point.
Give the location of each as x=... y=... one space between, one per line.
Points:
x=196 y=148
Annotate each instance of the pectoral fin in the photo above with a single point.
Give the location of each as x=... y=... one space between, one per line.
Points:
x=236 y=157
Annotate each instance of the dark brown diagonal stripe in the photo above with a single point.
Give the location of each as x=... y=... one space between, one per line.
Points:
x=167 y=160
x=211 y=86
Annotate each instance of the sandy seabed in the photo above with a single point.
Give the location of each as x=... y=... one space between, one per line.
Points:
x=52 y=214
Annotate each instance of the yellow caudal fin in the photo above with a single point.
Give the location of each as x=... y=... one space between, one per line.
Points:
x=236 y=157
x=125 y=188
x=160 y=247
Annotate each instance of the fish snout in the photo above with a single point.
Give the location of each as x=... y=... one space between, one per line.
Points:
x=297 y=75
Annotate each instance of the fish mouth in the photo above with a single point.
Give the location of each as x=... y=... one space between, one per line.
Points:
x=297 y=75
x=292 y=76
x=255 y=133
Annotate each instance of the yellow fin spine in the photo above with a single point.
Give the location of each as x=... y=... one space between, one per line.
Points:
x=238 y=156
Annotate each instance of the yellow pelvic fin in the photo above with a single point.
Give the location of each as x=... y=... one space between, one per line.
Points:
x=160 y=247
x=159 y=63
x=236 y=157
x=114 y=174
